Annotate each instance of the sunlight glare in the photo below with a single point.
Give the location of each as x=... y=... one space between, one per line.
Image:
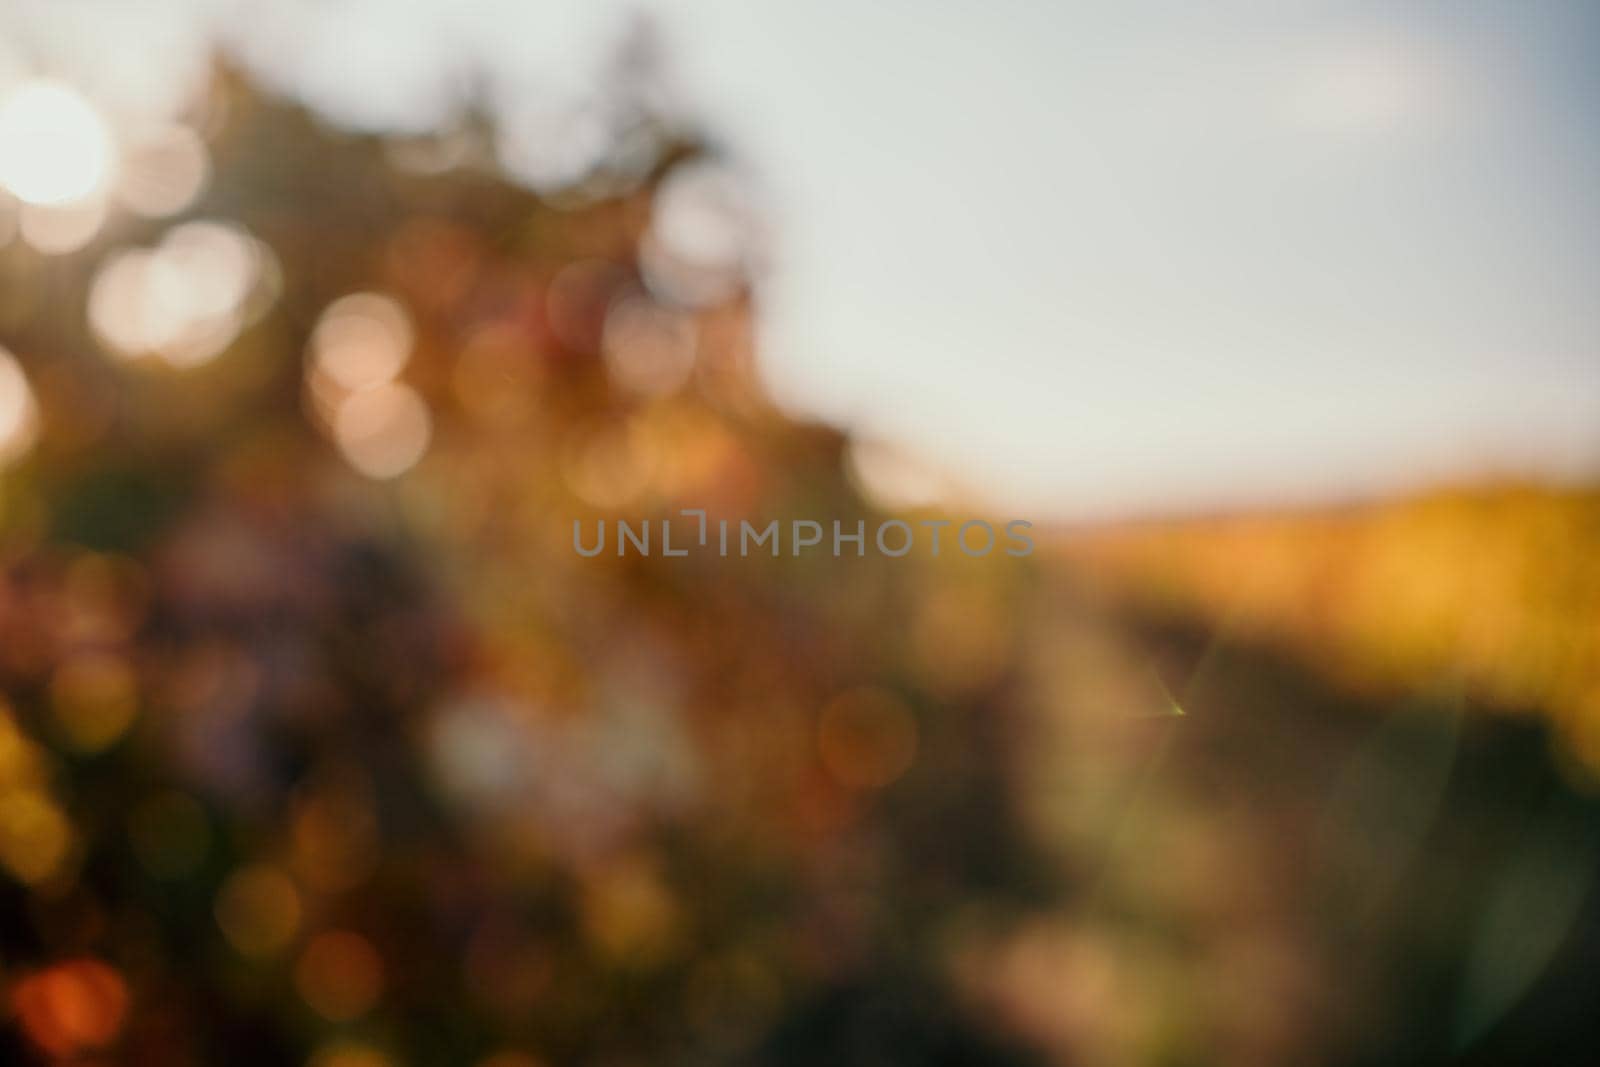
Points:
x=54 y=146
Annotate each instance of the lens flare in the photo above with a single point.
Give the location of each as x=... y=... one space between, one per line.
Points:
x=259 y=910
x=185 y=300
x=649 y=349
x=19 y=413
x=57 y=229
x=361 y=341
x=72 y=1007
x=383 y=431
x=54 y=147
x=340 y=975
x=163 y=171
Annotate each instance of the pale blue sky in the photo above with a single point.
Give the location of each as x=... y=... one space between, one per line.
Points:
x=1107 y=257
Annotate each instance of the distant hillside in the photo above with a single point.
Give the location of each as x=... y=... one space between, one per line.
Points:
x=1493 y=588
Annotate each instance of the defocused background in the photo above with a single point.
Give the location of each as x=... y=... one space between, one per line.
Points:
x=1204 y=256
x=321 y=322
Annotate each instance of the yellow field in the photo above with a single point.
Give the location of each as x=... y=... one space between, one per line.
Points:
x=1496 y=589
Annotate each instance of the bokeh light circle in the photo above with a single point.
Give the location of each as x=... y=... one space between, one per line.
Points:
x=54 y=147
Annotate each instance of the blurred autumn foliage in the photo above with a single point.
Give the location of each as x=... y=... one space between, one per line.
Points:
x=319 y=743
x=319 y=734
